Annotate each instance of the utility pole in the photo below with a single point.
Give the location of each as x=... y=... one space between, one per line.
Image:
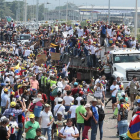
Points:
x=67 y=12
x=108 y=11
x=136 y=18
x=59 y=10
x=25 y=16
x=37 y=13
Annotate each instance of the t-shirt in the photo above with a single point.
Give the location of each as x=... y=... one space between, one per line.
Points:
x=32 y=132
x=73 y=110
x=98 y=92
x=3 y=133
x=14 y=125
x=56 y=99
x=61 y=109
x=115 y=91
x=79 y=99
x=106 y=69
x=68 y=100
x=46 y=118
x=67 y=131
x=124 y=114
x=82 y=110
x=95 y=112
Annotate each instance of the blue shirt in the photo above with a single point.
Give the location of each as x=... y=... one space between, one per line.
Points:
x=95 y=113
x=4 y=99
x=17 y=112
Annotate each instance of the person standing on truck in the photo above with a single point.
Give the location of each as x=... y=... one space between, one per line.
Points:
x=133 y=85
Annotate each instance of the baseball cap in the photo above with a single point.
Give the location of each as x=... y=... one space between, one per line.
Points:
x=138 y=101
x=75 y=84
x=31 y=116
x=5 y=90
x=60 y=113
x=13 y=104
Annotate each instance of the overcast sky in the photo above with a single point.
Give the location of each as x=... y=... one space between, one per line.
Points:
x=54 y=3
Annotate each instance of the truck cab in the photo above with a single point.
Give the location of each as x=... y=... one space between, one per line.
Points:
x=24 y=39
x=125 y=64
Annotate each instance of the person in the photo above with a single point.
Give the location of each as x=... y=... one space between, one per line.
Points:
x=39 y=134
x=14 y=126
x=133 y=131
x=69 y=132
x=87 y=121
x=30 y=128
x=100 y=105
x=38 y=106
x=57 y=98
x=34 y=83
x=135 y=109
x=79 y=118
x=57 y=126
x=5 y=100
x=133 y=85
x=122 y=120
x=65 y=68
x=4 y=133
x=46 y=119
x=72 y=111
x=113 y=90
x=59 y=107
x=79 y=98
x=67 y=100
x=107 y=70
x=12 y=109
x=99 y=91
x=94 y=120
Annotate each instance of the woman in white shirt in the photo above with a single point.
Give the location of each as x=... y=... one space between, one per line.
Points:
x=72 y=111
x=57 y=98
x=99 y=91
x=69 y=132
x=67 y=100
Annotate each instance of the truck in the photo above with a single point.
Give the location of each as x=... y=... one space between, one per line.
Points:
x=125 y=63
x=24 y=39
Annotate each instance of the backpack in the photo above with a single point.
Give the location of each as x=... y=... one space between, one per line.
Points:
x=32 y=107
x=101 y=113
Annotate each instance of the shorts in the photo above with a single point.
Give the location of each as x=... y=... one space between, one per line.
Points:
x=114 y=100
x=132 y=97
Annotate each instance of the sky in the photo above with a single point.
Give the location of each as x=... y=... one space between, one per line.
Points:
x=120 y=3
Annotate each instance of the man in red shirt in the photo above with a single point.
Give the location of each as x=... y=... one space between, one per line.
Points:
x=76 y=89
x=44 y=97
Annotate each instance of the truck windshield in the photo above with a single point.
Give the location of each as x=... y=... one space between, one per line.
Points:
x=124 y=58
x=24 y=37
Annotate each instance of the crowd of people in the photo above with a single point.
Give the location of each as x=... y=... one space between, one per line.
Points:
x=38 y=101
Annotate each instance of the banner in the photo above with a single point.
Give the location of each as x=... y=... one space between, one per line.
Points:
x=55 y=56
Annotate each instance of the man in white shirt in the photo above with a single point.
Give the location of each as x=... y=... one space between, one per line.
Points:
x=92 y=49
x=46 y=120
x=114 y=90
x=133 y=43
x=65 y=68
x=80 y=31
x=59 y=108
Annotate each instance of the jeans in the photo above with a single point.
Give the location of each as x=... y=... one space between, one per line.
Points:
x=20 y=131
x=48 y=130
x=94 y=127
x=2 y=109
x=89 y=62
x=68 y=115
x=37 y=111
x=122 y=126
x=79 y=126
x=93 y=60
x=101 y=129
x=12 y=137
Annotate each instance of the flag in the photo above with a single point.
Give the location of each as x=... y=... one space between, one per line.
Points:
x=134 y=127
x=90 y=90
x=17 y=66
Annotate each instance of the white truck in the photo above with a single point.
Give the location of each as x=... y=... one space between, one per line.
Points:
x=24 y=39
x=125 y=64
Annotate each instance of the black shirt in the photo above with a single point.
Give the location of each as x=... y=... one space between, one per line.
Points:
x=3 y=133
x=124 y=114
x=31 y=97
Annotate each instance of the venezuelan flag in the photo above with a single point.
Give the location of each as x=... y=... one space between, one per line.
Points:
x=90 y=90
x=17 y=66
x=134 y=127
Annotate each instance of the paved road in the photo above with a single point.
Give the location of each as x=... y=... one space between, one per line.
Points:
x=110 y=125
